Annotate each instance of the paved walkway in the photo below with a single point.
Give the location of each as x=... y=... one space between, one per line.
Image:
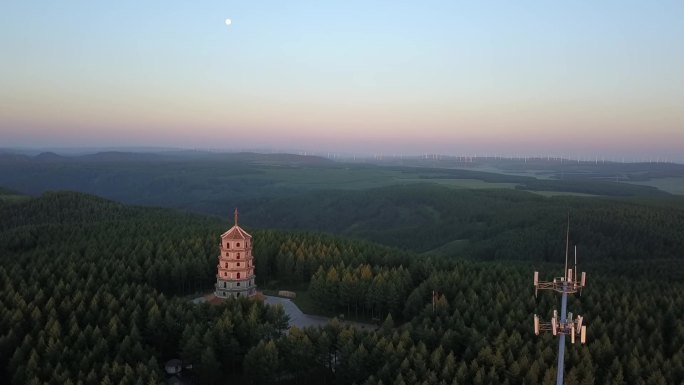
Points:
x=199 y=300
x=301 y=320
x=297 y=318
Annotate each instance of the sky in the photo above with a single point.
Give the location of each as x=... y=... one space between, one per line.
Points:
x=564 y=77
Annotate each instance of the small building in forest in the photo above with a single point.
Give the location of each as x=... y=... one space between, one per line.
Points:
x=235 y=276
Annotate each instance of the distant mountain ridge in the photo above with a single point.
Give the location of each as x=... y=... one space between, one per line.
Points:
x=126 y=156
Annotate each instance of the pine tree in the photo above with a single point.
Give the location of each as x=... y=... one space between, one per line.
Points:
x=209 y=367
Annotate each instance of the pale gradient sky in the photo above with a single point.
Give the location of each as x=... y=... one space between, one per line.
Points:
x=573 y=77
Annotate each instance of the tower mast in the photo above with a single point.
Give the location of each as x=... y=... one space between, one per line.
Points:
x=564 y=285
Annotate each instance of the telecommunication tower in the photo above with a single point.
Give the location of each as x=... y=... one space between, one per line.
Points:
x=565 y=325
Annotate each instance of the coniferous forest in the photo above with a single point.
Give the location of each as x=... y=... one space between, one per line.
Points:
x=93 y=291
x=341 y=193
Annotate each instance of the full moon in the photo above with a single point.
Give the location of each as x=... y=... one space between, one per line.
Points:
x=228 y=21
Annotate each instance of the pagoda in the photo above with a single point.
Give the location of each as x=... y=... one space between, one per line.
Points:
x=235 y=276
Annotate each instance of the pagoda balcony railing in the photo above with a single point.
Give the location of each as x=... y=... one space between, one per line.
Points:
x=235 y=258
x=232 y=248
x=235 y=269
x=237 y=288
x=235 y=279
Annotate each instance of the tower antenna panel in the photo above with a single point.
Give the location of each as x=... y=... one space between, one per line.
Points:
x=572 y=333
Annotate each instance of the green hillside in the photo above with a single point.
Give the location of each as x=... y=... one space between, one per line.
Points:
x=93 y=291
x=488 y=224
x=10 y=196
x=426 y=209
x=208 y=183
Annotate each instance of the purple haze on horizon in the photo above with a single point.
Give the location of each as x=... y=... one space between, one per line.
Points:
x=583 y=79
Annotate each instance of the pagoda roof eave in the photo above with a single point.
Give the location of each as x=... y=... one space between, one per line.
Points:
x=236 y=232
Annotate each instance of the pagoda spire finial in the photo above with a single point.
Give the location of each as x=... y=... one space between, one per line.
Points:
x=236 y=216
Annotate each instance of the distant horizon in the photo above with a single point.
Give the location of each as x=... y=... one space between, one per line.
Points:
x=342 y=155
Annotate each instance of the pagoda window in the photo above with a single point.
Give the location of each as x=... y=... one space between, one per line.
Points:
x=238 y=284
x=226 y=265
x=238 y=255
x=238 y=244
x=238 y=263
x=225 y=274
x=227 y=245
x=238 y=275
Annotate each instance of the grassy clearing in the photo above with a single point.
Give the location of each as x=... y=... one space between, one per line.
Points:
x=462 y=183
x=363 y=178
x=448 y=249
x=673 y=185
x=306 y=304
x=534 y=173
x=303 y=300
x=330 y=178
x=13 y=198
x=561 y=193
